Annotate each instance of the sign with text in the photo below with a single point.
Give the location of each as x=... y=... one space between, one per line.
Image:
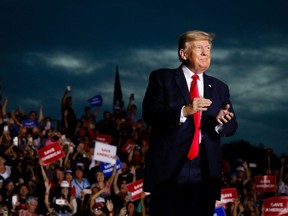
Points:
x=228 y=195
x=27 y=123
x=51 y=153
x=107 y=168
x=127 y=147
x=266 y=183
x=104 y=138
x=96 y=101
x=104 y=152
x=135 y=189
x=275 y=206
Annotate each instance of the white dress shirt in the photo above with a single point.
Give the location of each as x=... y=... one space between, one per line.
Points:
x=188 y=76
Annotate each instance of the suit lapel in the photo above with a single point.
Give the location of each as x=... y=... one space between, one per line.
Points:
x=182 y=84
x=207 y=91
x=207 y=87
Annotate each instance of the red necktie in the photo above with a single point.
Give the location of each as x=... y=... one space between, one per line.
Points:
x=194 y=93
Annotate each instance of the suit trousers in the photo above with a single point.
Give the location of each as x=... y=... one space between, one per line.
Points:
x=189 y=195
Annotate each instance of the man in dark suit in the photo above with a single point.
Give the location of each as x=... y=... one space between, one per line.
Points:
x=180 y=185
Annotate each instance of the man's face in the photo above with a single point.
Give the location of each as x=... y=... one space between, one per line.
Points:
x=23 y=191
x=32 y=115
x=10 y=186
x=59 y=175
x=79 y=174
x=197 y=55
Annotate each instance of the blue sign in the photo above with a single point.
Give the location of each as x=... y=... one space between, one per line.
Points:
x=219 y=211
x=27 y=123
x=107 y=168
x=96 y=101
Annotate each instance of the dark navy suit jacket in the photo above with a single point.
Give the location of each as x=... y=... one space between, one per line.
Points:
x=166 y=94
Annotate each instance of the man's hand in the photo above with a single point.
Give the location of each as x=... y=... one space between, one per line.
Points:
x=224 y=115
x=197 y=104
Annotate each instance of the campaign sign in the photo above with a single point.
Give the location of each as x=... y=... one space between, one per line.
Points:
x=96 y=101
x=51 y=153
x=135 y=189
x=127 y=147
x=104 y=138
x=219 y=211
x=104 y=152
x=275 y=206
x=266 y=183
x=228 y=195
x=27 y=123
x=107 y=168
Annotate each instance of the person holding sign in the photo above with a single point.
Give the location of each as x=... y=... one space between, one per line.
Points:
x=184 y=177
x=102 y=182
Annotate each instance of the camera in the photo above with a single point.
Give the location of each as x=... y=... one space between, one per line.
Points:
x=15 y=141
x=14 y=199
x=5 y=128
x=60 y=202
x=48 y=125
x=87 y=191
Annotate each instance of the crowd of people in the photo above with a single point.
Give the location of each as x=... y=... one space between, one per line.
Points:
x=76 y=184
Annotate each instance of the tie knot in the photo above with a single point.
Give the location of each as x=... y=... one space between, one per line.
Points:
x=195 y=76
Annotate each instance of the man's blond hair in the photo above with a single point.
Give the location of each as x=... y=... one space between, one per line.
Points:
x=194 y=35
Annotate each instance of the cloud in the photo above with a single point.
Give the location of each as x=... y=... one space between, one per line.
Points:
x=71 y=63
x=156 y=57
x=254 y=76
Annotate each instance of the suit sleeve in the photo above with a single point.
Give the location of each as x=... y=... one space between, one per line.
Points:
x=231 y=126
x=158 y=106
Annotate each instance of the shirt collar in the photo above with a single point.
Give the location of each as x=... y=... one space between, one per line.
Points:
x=188 y=73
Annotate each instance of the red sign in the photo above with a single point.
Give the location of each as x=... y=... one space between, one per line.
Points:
x=51 y=153
x=265 y=183
x=135 y=189
x=104 y=138
x=127 y=147
x=228 y=195
x=275 y=206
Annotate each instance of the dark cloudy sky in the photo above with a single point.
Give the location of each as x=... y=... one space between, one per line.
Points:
x=47 y=45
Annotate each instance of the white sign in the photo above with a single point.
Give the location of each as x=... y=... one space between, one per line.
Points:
x=104 y=152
